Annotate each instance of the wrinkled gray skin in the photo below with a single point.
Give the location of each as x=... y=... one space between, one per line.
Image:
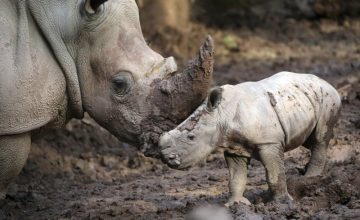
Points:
x=262 y=120
x=60 y=59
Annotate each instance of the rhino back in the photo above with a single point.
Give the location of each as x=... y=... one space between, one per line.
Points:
x=32 y=86
x=298 y=100
x=283 y=108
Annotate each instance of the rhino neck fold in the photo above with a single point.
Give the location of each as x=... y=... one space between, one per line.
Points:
x=52 y=35
x=22 y=52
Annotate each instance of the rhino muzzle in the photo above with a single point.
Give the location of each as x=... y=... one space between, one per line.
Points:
x=176 y=96
x=172 y=160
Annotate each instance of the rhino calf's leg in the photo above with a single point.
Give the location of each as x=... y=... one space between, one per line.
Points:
x=318 y=143
x=237 y=166
x=14 y=151
x=317 y=160
x=272 y=157
x=319 y=140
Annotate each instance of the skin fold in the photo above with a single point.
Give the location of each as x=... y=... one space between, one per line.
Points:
x=259 y=120
x=60 y=59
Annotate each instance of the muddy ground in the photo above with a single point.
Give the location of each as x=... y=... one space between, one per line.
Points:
x=82 y=172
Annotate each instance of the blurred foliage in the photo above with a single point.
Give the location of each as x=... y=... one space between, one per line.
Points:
x=217 y=4
x=230 y=42
x=249 y=12
x=168 y=24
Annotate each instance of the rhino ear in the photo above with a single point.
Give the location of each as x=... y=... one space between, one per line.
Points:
x=214 y=98
x=92 y=6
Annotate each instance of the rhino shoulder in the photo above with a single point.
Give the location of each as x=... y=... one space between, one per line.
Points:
x=31 y=99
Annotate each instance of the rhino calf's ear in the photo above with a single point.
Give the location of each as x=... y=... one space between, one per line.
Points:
x=92 y=6
x=214 y=98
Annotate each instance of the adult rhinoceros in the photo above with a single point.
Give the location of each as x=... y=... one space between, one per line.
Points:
x=59 y=59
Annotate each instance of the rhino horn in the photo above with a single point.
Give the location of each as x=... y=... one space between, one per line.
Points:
x=177 y=95
x=187 y=90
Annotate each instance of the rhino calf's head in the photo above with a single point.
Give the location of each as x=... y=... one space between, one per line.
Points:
x=196 y=137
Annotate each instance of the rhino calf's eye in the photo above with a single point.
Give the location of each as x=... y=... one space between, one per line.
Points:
x=191 y=137
x=122 y=83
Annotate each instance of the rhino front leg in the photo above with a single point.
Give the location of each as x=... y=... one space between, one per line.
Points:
x=237 y=166
x=272 y=156
x=14 y=151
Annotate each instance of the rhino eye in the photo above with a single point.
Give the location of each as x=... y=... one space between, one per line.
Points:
x=122 y=83
x=191 y=137
x=94 y=6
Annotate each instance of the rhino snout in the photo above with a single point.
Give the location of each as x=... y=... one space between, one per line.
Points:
x=172 y=159
x=168 y=153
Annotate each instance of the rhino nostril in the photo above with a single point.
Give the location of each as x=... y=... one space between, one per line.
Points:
x=172 y=156
x=177 y=162
x=174 y=162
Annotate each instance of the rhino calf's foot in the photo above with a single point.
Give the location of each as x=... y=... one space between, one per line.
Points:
x=318 y=143
x=238 y=166
x=14 y=151
x=317 y=161
x=234 y=200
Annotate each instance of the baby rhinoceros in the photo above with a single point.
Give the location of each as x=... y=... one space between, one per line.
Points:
x=262 y=120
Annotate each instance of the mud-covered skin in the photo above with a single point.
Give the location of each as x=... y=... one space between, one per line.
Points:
x=262 y=120
x=60 y=59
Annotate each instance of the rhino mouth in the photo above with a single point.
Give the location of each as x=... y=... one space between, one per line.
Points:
x=176 y=96
x=175 y=160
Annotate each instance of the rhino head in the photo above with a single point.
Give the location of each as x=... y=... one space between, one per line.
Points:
x=113 y=74
x=197 y=136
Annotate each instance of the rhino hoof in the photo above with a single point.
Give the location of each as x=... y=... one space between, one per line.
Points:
x=242 y=200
